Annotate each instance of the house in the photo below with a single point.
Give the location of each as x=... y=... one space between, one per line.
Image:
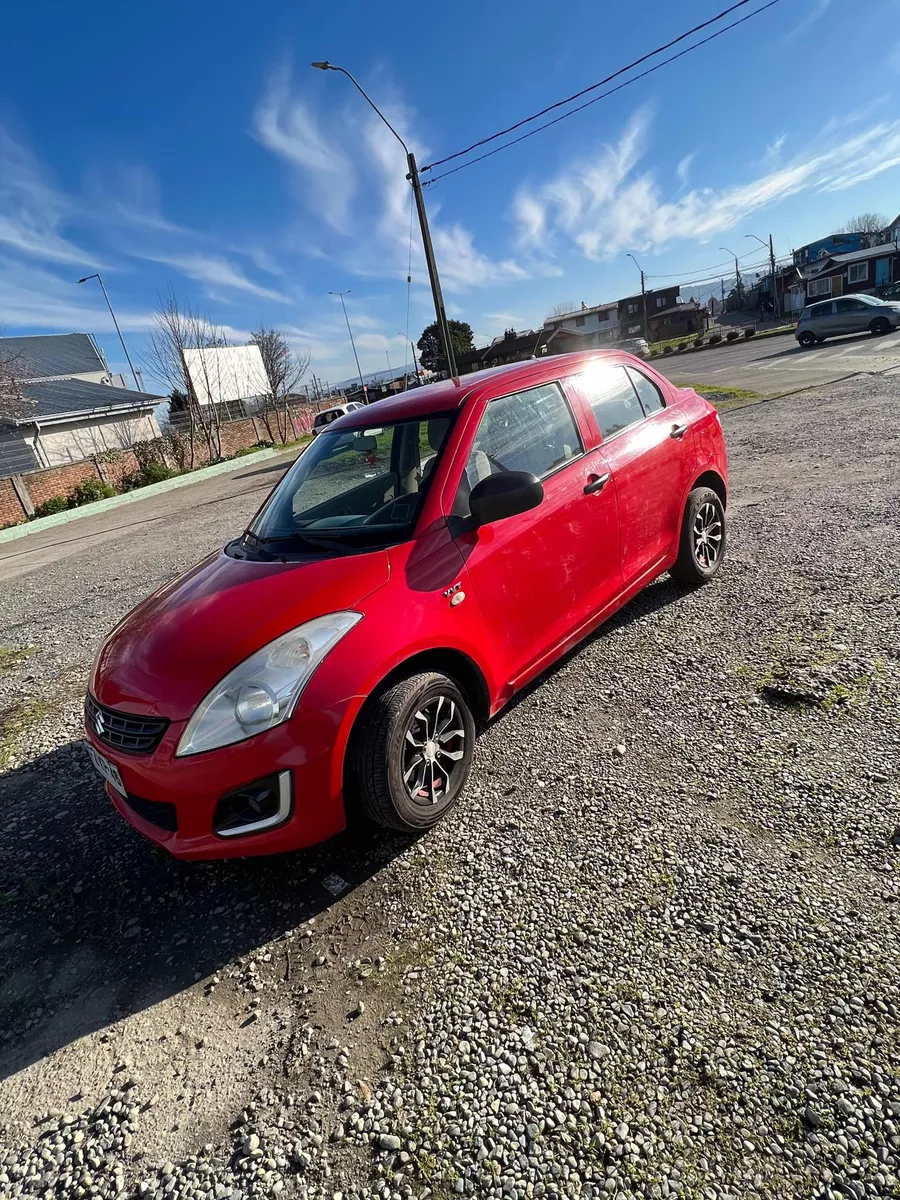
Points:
x=834 y=243
x=602 y=320
x=53 y=422
x=58 y=403
x=631 y=311
x=858 y=271
x=513 y=346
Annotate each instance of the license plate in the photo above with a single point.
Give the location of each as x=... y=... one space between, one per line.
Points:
x=106 y=770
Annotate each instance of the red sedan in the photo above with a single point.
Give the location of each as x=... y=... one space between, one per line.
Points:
x=424 y=558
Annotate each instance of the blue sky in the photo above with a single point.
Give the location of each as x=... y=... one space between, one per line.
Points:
x=192 y=148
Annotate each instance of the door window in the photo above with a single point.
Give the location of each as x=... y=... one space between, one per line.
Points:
x=531 y=431
x=650 y=395
x=610 y=394
x=843 y=306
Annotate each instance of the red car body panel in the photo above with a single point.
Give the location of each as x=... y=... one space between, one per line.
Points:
x=533 y=585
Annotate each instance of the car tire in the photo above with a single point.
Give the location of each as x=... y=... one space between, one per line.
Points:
x=703 y=538
x=880 y=326
x=806 y=339
x=397 y=723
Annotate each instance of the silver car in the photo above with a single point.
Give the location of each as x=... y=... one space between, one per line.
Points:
x=846 y=314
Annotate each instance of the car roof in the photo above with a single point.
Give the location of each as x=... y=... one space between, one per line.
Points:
x=448 y=394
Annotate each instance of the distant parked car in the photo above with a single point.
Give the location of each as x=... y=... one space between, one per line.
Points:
x=327 y=415
x=891 y=293
x=847 y=314
x=636 y=346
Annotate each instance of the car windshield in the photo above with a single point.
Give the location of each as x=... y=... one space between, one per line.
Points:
x=355 y=488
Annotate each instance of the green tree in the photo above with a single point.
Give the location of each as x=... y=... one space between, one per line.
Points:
x=431 y=353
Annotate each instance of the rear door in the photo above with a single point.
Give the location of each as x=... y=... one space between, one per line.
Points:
x=539 y=575
x=647 y=444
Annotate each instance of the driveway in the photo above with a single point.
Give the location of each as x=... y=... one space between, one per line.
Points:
x=655 y=952
x=778 y=364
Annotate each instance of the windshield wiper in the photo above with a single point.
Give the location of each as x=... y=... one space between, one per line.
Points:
x=309 y=540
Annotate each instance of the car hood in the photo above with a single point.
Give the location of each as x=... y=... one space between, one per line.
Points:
x=170 y=650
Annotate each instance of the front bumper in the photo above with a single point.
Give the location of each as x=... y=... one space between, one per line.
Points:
x=310 y=747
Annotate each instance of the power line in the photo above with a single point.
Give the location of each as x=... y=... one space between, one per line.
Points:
x=579 y=108
x=438 y=162
x=714 y=267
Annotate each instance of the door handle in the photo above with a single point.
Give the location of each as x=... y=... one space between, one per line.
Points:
x=596 y=484
x=679 y=430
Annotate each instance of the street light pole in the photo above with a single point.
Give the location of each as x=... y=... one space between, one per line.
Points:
x=415 y=360
x=771 y=250
x=413 y=177
x=643 y=295
x=352 y=343
x=96 y=276
x=738 y=284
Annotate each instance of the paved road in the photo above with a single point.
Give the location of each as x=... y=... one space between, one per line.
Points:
x=241 y=491
x=778 y=364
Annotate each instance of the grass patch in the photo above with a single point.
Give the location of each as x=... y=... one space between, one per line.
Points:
x=723 y=390
x=13 y=656
x=15 y=721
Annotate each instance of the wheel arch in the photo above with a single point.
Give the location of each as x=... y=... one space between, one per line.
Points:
x=459 y=667
x=713 y=480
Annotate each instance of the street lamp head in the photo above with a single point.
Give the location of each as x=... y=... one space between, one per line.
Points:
x=323 y=66
x=87 y=277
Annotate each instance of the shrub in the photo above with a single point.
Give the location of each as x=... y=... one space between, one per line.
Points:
x=654 y=352
x=681 y=346
x=749 y=333
x=732 y=335
x=54 y=505
x=89 y=490
x=667 y=349
x=698 y=342
x=714 y=338
x=154 y=472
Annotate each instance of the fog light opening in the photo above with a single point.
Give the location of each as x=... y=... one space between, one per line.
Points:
x=260 y=805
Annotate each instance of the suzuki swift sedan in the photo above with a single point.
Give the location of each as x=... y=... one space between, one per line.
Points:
x=420 y=562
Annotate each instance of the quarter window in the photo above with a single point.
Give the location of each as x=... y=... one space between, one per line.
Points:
x=531 y=431
x=650 y=395
x=614 y=401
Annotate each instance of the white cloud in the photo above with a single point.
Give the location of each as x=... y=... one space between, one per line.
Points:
x=285 y=125
x=32 y=297
x=774 y=148
x=353 y=174
x=683 y=170
x=817 y=10
x=216 y=272
x=607 y=204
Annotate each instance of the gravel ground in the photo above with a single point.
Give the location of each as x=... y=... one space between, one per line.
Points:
x=654 y=953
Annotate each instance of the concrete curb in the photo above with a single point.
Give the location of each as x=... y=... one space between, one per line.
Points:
x=153 y=489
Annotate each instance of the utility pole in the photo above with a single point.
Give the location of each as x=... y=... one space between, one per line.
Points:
x=643 y=297
x=738 y=282
x=96 y=276
x=775 y=302
x=352 y=343
x=413 y=177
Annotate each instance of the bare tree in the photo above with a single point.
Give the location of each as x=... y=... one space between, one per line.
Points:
x=867 y=222
x=562 y=309
x=284 y=372
x=176 y=333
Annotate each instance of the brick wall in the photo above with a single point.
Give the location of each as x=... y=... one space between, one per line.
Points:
x=11 y=511
x=58 y=481
x=115 y=465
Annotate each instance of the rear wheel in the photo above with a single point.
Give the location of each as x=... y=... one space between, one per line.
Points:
x=880 y=325
x=702 y=545
x=412 y=755
x=806 y=339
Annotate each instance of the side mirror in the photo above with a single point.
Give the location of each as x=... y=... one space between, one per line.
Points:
x=504 y=495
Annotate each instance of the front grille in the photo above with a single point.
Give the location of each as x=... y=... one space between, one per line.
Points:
x=124 y=731
x=158 y=812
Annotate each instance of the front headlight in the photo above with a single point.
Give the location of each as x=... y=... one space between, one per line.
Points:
x=263 y=691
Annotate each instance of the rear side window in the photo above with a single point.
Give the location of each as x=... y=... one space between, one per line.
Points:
x=610 y=394
x=531 y=431
x=649 y=393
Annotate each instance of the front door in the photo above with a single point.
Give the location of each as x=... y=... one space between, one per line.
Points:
x=647 y=446
x=539 y=575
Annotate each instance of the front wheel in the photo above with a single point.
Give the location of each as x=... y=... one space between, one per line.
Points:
x=806 y=339
x=880 y=326
x=413 y=753
x=702 y=545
